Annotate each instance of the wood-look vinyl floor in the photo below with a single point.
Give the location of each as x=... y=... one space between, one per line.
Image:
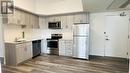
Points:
x=57 y=64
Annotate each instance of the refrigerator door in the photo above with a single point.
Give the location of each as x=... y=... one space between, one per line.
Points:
x=81 y=47
x=81 y=29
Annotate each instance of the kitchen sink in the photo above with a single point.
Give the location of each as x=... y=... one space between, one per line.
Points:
x=20 y=41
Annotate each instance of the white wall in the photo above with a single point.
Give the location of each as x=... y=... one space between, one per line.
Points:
x=49 y=7
x=26 y=4
x=1 y=36
x=1 y=39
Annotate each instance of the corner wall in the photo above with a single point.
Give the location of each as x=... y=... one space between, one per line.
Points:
x=2 y=52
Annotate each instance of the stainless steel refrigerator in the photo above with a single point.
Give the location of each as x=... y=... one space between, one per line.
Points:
x=81 y=41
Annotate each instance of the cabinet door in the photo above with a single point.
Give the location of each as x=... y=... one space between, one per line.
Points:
x=17 y=17
x=28 y=51
x=62 y=47
x=10 y=19
x=68 y=48
x=57 y=18
x=70 y=22
x=28 y=20
x=31 y=19
x=64 y=22
x=20 y=53
x=51 y=19
x=42 y=23
x=54 y=18
x=36 y=22
x=81 y=18
x=23 y=18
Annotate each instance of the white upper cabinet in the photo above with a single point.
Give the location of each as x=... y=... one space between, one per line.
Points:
x=67 y=21
x=42 y=23
x=22 y=18
x=57 y=18
x=12 y=18
x=54 y=19
x=50 y=19
x=34 y=21
x=70 y=22
x=81 y=18
x=18 y=18
x=64 y=22
x=27 y=19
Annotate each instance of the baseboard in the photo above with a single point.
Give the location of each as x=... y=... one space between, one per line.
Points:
x=109 y=58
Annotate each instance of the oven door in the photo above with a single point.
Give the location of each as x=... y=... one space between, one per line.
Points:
x=52 y=43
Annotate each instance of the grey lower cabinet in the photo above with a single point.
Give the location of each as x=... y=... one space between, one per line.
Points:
x=17 y=53
x=66 y=48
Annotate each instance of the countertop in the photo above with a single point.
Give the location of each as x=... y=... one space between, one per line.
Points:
x=66 y=39
x=25 y=41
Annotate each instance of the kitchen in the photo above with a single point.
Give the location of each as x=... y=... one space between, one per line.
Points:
x=28 y=34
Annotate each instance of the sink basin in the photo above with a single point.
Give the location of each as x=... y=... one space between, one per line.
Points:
x=20 y=41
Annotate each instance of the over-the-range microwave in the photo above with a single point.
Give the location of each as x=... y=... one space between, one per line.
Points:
x=54 y=25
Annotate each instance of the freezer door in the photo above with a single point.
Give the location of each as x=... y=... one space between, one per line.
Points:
x=81 y=47
x=81 y=29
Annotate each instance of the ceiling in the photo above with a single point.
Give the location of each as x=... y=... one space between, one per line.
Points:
x=52 y=1
x=103 y=5
x=116 y=4
x=96 y=5
x=50 y=7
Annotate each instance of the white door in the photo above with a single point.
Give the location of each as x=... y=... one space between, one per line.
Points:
x=116 y=37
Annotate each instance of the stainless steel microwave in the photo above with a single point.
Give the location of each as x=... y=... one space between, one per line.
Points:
x=54 y=25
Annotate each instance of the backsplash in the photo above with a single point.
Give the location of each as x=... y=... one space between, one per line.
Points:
x=11 y=32
x=43 y=34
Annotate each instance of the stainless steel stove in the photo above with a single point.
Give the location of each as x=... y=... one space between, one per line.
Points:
x=53 y=44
